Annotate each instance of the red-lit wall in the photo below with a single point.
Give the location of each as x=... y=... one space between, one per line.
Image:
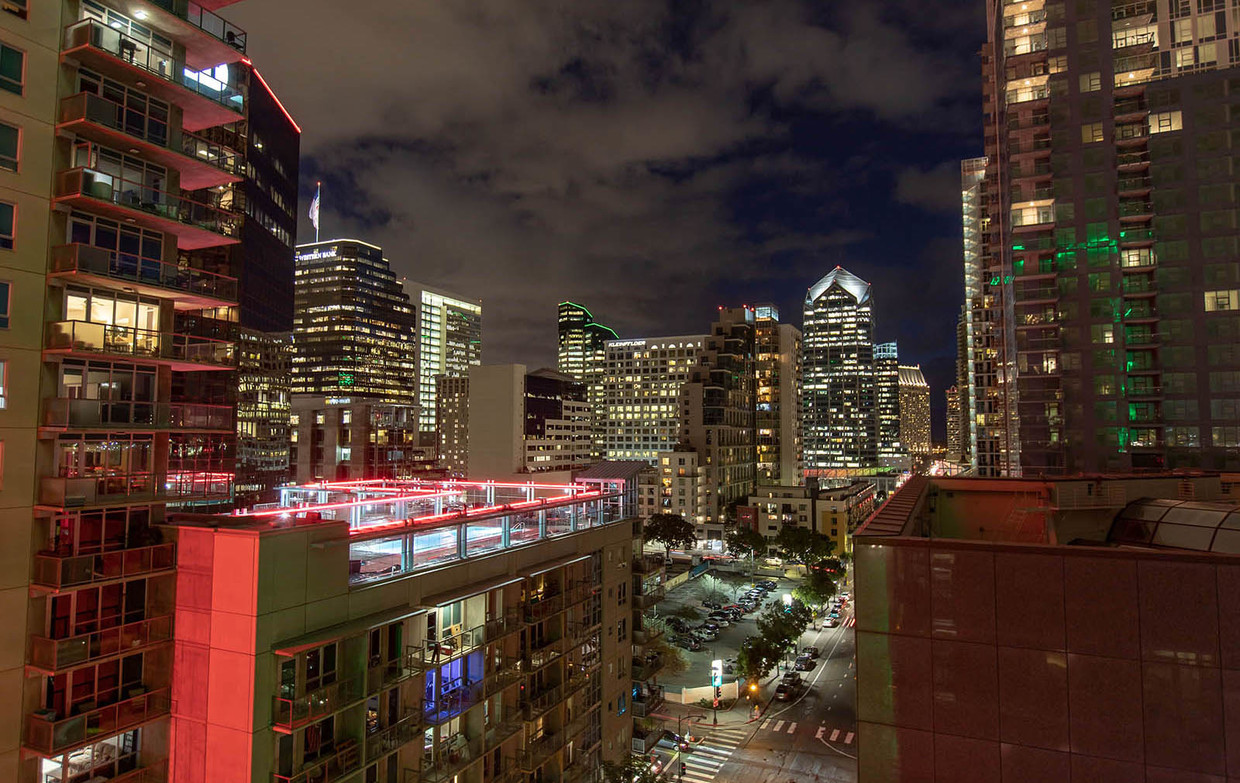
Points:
x=213 y=672
x=1032 y=664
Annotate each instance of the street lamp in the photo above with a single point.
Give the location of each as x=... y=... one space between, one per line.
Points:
x=716 y=681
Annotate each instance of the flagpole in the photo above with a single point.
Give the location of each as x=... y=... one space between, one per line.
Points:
x=318 y=194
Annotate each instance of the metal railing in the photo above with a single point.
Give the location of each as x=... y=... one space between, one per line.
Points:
x=650 y=701
x=448 y=758
x=108 y=488
x=538 y=751
x=57 y=572
x=204 y=20
x=386 y=740
x=50 y=736
x=647 y=564
x=141 y=55
x=334 y=765
x=134 y=414
x=291 y=713
x=55 y=654
x=384 y=675
x=140 y=343
x=140 y=197
x=87 y=259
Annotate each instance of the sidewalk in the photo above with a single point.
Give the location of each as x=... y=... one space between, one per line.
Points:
x=738 y=715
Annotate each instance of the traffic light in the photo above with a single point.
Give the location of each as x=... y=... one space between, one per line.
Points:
x=683 y=768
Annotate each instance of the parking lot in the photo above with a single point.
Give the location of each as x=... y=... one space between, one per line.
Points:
x=690 y=597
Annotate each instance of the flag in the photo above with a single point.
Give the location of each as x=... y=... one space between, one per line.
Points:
x=314 y=210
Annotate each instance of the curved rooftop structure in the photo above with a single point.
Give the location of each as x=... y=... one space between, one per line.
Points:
x=855 y=286
x=1206 y=526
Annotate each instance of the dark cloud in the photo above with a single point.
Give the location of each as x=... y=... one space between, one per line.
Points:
x=936 y=189
x=651 y=158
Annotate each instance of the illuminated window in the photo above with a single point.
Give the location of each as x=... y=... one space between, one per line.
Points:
x=1091 y=82
x=15 y=7
x=1165 y=121
x=1219 y=301
x=1091 y=133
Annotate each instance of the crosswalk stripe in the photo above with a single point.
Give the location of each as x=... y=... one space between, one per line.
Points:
x=792 y=727
x=835 y=734
x=779 y=725
x=849 y=738
x=766 y=723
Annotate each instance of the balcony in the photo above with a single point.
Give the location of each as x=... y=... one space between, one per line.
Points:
x=55 y=573
x=122 y=489
x=450 y=757
x=535 y=753
x=649 y=702
x=195 y=224
x=181 y=352
x=645 y=668
x=507 y=672
x=507 y=726
x=54 y=655
x=405 y=730
x=205 y=101
x=648 y=564
x=648 y=635
x=62 y=414
x=208 y=39
x=554 y=603
x=50 y=736
x=334 y=764
x=289 y=714
x=188 y=288
x=543 y=652
x=200 y=163
x=455 y=699
x=384 y=675
x=649 y=597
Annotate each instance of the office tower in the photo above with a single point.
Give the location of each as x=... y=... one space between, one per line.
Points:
x=778 y=394
x=1061 y=629
x=641 y=394
x=840 y=427
x=914 y=411
x=354 y=438
x=112 y=194
x=718 y=419
x=1111 y=202
x=452 y=423
x=582 y=341
x=892 y=452
x=354 y=325
x=376 y=633
x=956 y=426
x=449 y=330
x=264 y=415
x=524 y=422
x=994 y=440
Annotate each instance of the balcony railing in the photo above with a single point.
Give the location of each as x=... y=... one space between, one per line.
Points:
x=553 y=603
x=167 y=210
x=649 y=702
x=196 y=286
x=201 y=162
x=339 y=763
x=650 y=596
x=55 y=572
x=407 y=729
x=49 y=736
x=292 y=713
x=453 y=701
x=384 y=675
x=450 y=757
x=505 y=673
x=503 y=727
x=138 y=54
x=56 y=654
x=204 y=20
x=66 y=413
x=644 y=669
x=535 y=753
x=648 y=564
x=185 y=351
x=119 y=488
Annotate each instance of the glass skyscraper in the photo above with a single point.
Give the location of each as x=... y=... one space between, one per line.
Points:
x=449 y=329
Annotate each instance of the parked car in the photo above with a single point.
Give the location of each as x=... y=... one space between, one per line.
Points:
x=715 y=623
x=811 y=651
x=711 y=604
x=677 y=624
x=688 y=643
x=791 y=678
x=785 y=692
x=833 y=622
x=706 y=635
x=773 y=561
x=673 y=741
x=804 y=663
x=835 y=613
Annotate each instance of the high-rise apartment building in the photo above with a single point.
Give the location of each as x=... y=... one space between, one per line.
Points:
x=264 y=415
x=956 y=425
x=449 y=341
x=354 y=325
x=117 y=187
x=914 y=411
x=994 y=441
x=523 y=422
x=959 y=447
x=840 y=425
x=374 y=631
x=583 y=341
x=641 y=394
x=718 y=415
x=892 y=451
x=1112 y=230
x=354 y=438
x=1053 y=630
x=778 y=393
x=452 y=423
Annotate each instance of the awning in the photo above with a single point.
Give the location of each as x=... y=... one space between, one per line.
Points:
x=335 y=633
x=545 y=567
x=452 y=596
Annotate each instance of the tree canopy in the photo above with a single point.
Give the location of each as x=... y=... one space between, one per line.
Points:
x=818 y=587
x=633 y=769
x=756 y=657
x=744 y=541
x=671 y=530
x=802 y=545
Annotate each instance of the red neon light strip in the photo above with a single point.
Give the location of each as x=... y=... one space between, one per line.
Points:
x=419 y=521
x=274 y=97
x=326 y=506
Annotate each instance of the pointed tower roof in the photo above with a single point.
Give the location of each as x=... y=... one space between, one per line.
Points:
x=855 y=286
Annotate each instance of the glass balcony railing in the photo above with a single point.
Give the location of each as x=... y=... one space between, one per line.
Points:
x=206 y=21
x=292 y=713
x=49 y=735
x=87 y=337
x=331 y=764
x=388 y=739
x=114 y=265
x=105 y=489
x=125 y=414
x=535 y=753
x=141 y=198
x=196 y=151
x=56 y=654
x=140 y=54
x=57 y=572
x=449 y=757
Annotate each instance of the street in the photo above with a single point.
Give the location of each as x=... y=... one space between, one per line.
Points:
x=811 y=738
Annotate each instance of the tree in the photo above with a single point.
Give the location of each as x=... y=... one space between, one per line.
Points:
x=782 y=625
x=746 y=541
x=634 y=769
x=802 y=545
x=670 y=530
x=818 y=587
x=756 y=657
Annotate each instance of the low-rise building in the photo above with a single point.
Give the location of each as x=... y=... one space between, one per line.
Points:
x=834 y=512
x=346 y=438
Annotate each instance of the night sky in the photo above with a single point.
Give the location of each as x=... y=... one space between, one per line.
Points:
x=649 y=159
